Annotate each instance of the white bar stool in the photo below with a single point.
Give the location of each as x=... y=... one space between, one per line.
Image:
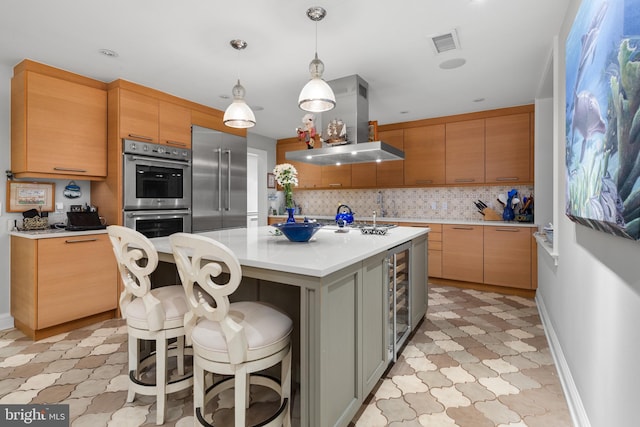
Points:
x=155 y=315
x=234 y=339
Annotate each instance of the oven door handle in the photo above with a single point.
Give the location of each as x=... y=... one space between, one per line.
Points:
x=157 y=160
x=159 y=213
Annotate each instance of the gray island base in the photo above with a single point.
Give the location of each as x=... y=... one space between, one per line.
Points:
x=336 y=289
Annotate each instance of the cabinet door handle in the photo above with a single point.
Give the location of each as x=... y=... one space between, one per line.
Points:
x=147 y=138
x=424 y=181
x=70 y=170
x=508 y=230
x=178 y=143
x=335 y=185
x=507 y=178
x=462 y=228
x=465 y=180
x=81 y=241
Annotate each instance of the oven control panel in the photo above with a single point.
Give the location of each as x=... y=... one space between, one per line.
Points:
x=148 y=149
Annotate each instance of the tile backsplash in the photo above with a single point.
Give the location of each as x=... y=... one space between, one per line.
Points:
x=454 y=203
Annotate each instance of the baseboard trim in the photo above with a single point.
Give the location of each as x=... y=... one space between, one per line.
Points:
x=6 y=321
x=576 y=408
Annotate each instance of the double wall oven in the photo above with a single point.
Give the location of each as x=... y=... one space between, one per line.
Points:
x=157 y=188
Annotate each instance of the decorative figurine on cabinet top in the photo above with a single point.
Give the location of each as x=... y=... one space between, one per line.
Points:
x=307 y=132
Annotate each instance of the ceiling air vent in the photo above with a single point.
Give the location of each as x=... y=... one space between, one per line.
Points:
x=445 y=42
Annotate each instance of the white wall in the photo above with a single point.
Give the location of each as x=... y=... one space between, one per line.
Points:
x=6 y=71
x=591 y=302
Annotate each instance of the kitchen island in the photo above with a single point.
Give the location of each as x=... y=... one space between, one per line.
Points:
x=335 y=287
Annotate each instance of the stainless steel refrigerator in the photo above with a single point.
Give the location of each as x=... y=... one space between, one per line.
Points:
x=219 y=180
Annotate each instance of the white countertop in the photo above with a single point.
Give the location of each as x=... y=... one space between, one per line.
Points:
x=325 y=253
x=51 y=233
x=426 y=221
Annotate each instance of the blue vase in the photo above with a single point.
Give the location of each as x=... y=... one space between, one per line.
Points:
x=507 y=213
x=290 y=212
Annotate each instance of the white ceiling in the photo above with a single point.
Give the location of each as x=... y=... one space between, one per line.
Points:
x=182 y=47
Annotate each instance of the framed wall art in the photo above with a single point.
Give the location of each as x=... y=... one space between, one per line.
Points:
x=22 y=196
x=271 y=180
x=603 y=117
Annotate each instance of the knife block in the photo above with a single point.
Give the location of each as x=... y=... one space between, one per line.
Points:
x=491 y=215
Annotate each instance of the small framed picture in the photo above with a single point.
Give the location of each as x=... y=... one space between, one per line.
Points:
x=271 y=180
x=22 y=196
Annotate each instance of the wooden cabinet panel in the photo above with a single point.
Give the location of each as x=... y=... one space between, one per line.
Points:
x=59 y=128
x=391 y=173
x=424 y=151
x=175 y=125
x=139 y=115
x=334 y=176
x=76 y=278
x=309 y=176
x=507 y=256
x=363 y=175
x=464 y=152
x=435 y=250
x=508 y=149
x=462 y=253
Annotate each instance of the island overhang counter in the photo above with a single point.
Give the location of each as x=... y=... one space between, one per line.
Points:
x=337 y=287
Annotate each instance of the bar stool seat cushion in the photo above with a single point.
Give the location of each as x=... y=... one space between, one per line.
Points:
x=266 y=329
x=172 y=301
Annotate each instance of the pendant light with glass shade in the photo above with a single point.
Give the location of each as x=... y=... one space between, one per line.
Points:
x=238 y=114
x=316 y=96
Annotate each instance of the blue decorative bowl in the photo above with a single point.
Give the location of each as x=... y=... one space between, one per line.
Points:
x=298 y=231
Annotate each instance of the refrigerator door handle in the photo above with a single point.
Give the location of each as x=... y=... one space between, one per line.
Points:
x=219 y=151
x=228 y=153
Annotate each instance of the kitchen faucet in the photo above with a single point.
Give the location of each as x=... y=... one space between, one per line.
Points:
x=380 y=201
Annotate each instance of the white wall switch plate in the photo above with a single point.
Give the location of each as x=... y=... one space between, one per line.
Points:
x=59 y=206
x=444 y=206
x=434 y=205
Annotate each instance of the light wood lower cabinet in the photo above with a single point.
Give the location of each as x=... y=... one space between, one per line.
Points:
x=507 y=256
x=462 y=252
x=435 y=250
x=58 y=284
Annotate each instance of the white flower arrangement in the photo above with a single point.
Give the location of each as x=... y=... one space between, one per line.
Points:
x=287 y=176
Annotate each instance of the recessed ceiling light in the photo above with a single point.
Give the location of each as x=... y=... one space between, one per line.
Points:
x=478 y=100
x=257 y=108
x=404 y=112
x=453 y=63
x=109 y=52
x=224 y=96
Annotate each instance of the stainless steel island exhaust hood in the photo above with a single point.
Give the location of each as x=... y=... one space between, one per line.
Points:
x=352 y=107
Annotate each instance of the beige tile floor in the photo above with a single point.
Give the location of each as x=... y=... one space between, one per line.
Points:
x=479 y=359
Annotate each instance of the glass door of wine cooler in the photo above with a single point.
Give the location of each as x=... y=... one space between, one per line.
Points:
x=399 y=297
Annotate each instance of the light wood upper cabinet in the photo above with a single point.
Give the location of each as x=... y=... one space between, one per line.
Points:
x=148 y=119
x=363 y=175
x=334 y=176
x=391 y=173
x=139 y=116
x=508 y=149
x=58 y=124
x=464 y=152
x=462 y=252
x=507 y=256
x=424 y=155
x=175 y=125
x=309 y=176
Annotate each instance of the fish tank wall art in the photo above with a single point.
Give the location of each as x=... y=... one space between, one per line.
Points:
x=603 y=117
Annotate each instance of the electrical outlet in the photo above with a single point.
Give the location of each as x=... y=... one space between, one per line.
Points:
x=9 y=225
x=434 y=205
x=444 y=206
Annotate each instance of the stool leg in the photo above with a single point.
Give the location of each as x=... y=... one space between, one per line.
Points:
x=240 y=396
x=180 y=355
x=134 y=363
x=161 y=378
x=198 y=390
x=247 y=401
x=285 y=383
